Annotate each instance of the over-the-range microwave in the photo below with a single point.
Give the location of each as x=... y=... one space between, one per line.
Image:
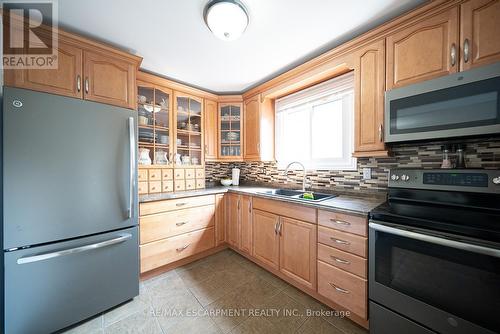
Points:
x=458 y=105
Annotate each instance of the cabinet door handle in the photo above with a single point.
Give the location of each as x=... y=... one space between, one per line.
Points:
x=380 y=132
x=453 y=54
x=338 y=289
x=340 y=222
x=180 y=204
x=338 y=241
x=250 y=207
x=181 y=223
x=238 y=203
x=466 y=50
x=336 y=259
x=276 y=228
x=280 y=224
x=78 y=83
x=86 y=85
x=180 y=249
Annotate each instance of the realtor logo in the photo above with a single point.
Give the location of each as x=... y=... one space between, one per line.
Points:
x=29 y=34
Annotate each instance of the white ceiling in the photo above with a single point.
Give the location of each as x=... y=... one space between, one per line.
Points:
x=172 y=37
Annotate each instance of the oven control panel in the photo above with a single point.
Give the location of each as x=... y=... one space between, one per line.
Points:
x=471 y=180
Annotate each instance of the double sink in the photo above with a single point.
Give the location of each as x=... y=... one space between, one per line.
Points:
x=297 y=195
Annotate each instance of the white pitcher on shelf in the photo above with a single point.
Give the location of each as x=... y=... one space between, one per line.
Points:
x=161 y=157
x=144 y=158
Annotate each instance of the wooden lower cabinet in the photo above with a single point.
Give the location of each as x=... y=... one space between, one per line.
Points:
x=345 y=289
x=233 y=219
x=246 y=224
x=298 y=251
x=162 y=252
x=220 y=215
x=175 y=229
x=266 y=238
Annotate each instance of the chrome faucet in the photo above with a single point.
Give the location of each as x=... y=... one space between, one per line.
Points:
x=303 y=170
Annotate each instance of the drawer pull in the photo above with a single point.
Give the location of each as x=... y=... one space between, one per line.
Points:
x=336 y=259
x=340 y=222
x=181 y=223
x=180 y=204
x=342 y=242
x=338 y=289
x=180 y=249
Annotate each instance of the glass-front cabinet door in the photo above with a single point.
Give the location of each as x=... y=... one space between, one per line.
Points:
x=154 y=105
x=230 y=125
x=188 y=138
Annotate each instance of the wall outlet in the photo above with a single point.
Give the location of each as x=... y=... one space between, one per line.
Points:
x=367 y=173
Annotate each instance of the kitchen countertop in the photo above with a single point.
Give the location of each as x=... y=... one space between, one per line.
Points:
x=348 y=203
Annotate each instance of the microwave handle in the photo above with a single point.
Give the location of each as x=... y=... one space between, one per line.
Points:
x=435 y=240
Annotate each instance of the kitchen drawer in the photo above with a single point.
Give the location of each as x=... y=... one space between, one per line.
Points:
x=154 y=187
x=343 y=222
x=200 y=173
x=343 y=288
x=189 y=172
x=344 y=241
x=295 y=211
x=142 y=175
x=179 y=174
x=167 y=174
x=168 y=224
x=154 y=174
x=343 y=260
x=190 y=184
x=175 y=204
x=180 y=185
x=142 y=187
x=200 y=183
x=159 y=253
x=167 y=186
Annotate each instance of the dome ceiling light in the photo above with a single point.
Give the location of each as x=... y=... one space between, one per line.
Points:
x=226 y=19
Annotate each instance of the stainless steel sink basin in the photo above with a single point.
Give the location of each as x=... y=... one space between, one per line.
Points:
x=298 y=195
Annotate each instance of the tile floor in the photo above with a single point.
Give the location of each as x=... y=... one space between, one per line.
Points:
x=223 y=293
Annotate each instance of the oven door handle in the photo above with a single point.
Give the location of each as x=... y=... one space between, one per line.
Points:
x=435 y=240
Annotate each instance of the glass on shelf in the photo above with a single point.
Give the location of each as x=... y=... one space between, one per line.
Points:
x=230 y=116
x=145 y=101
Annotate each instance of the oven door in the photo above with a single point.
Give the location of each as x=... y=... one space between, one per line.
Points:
x=462 y=104
x=447 y=285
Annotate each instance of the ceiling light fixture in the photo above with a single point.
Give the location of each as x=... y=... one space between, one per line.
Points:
x=226 y=19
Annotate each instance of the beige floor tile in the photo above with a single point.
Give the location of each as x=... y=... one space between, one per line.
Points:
x=181 y=301
x=139 y=323
x=291 y=313
x=195 y=274
x=229 y=311
x=257 y=291
x=188 y=325
x=255 y=325
x=303 y=298
x=345 y=325
x=91 y=326
x=139 y=304
x=317 y=325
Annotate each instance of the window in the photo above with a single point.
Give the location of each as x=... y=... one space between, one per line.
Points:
x=316 y=127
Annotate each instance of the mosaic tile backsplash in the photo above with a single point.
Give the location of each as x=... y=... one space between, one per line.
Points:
x=480 y=153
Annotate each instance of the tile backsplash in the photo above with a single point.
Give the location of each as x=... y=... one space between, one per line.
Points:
x=480 y=153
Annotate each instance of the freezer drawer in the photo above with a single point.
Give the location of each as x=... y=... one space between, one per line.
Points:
x=51 y=287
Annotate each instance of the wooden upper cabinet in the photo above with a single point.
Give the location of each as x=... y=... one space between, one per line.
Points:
x=258 y=129
x=233 y=219
x=211 y=134
x=246 y=224
x=266 y=238
x=65 y=80
x=423 y=50
x=298 y=251
x=251 y=129
x=479 y=25
x=109 y=79
x=369 y=73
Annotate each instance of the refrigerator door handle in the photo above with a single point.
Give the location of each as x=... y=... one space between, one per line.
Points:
x=131 y=133
x=46 y=256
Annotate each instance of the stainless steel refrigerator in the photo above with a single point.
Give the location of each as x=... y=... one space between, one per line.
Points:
x=70 y=234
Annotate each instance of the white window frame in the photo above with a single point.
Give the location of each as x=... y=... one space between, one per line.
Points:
x=341 y=87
